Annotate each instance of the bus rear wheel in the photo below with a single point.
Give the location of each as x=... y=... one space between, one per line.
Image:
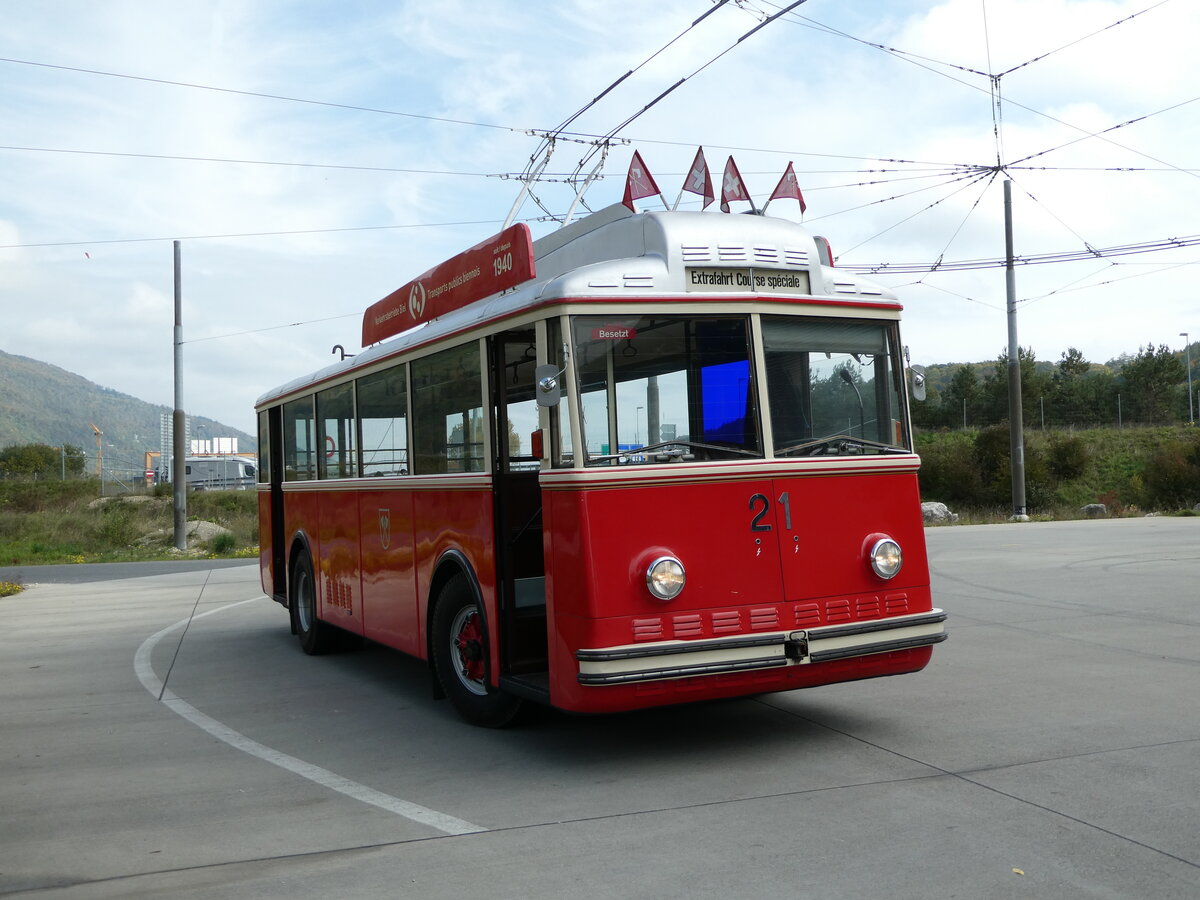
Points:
x=315 y=636
x=460 y=658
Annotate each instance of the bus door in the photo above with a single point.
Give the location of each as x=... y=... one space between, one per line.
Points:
x=271 y=434
x=520 y=562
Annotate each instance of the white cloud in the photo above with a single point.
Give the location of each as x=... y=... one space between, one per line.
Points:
x=792 y=89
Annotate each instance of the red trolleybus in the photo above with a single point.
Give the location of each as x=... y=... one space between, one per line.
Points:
x=650 y=458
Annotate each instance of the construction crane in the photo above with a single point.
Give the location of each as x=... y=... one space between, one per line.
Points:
x=99 y=450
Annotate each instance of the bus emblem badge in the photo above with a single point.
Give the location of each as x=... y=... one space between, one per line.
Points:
x=385 y=527
x=416 y=300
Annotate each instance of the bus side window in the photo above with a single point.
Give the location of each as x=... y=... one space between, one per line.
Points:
x=299 y=433
x=336 y=457
x=264 y=448
x=383 y=422
x=448 y=411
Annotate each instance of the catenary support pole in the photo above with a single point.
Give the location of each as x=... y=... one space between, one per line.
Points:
x=1016 y=424
x=179 y=421
x=1187 y=348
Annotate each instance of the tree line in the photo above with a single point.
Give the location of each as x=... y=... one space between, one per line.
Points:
x=41 y=462
x=1149 y=389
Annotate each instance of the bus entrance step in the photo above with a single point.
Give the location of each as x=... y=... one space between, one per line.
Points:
x=531 y=685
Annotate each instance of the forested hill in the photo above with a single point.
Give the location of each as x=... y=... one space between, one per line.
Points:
x=43 y=404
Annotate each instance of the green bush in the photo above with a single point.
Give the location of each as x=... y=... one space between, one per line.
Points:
x=1171 y=478
x=222 y=506
x=1127 y=469
x=949 y=472
x=116 y=526
x=992 y=454
x=36 y=496
x=1068 y=457
x=223 y=544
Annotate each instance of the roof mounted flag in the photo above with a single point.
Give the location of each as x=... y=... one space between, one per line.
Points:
x=788 y=187
x=639 y=182
x=732 y=186
x=698 y=180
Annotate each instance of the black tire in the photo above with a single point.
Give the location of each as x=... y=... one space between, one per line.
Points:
x=315 y=636
x=460 y=658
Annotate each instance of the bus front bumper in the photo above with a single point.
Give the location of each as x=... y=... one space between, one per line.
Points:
x=662 y=660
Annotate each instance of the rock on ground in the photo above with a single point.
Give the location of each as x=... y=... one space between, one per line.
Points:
x=933 y=513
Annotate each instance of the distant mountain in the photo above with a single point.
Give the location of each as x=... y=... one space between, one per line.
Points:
x=43 y=404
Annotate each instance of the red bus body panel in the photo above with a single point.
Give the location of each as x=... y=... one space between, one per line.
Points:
x=391 y=613
x=739 y=581
x=379 y=591
x=748 y=572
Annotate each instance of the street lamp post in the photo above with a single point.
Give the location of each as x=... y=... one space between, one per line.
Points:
x=1187 y=348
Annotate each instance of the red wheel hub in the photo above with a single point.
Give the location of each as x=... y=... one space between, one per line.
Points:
x=469 y=642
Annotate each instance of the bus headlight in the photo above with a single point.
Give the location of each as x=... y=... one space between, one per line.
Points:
x=886 y=558
x=665 y=578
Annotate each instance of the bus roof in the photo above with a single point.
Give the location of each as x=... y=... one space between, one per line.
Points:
x=615 y=253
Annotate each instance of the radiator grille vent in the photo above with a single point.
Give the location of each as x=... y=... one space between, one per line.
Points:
x=647 y=629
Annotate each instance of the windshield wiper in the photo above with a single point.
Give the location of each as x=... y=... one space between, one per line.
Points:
x=665 y=451
x=697 y=445
x=838 y=445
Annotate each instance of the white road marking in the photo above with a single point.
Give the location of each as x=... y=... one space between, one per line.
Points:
x=412 y=811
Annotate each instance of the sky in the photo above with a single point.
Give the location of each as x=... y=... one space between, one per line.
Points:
x=312 y=157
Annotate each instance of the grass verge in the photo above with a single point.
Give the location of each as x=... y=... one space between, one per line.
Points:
x=45 y=523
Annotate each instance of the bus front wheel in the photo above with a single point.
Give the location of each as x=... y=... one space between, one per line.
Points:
x=460 y=658
x=315 y=636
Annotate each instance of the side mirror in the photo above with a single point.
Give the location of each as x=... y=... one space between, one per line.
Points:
x=917 y=375
x=546 y=385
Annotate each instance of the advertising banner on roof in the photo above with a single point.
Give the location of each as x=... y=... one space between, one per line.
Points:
x=497 y=264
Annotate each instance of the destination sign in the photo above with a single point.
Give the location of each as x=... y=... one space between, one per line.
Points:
x=759 y=281
x=497 y=264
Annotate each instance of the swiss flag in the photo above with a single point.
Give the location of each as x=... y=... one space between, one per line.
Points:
x=732 y=186
x=698 y=180
x=639 y=182
x=789 y=187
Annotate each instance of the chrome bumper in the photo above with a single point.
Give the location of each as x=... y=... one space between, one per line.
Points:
x=684 y=659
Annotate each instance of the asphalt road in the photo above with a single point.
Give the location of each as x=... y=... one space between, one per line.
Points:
x=85 y=573
x=162 y=736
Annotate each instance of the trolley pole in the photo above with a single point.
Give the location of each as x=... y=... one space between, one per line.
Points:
x=1016 y=424
x=179 y=421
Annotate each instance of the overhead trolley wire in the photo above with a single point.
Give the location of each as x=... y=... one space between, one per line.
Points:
x=971 y=174
x=970 y=178
x=991 y=90
x=256 y=162
x=258 y=94
x=1173 y=243
x=1080 y=40
x=1118 y=126
x=1069 y=288
x=630 y=119
x=546 y=147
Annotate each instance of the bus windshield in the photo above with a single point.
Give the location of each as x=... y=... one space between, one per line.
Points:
x=834 y=386
x=660 y=388
x=664 y=388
